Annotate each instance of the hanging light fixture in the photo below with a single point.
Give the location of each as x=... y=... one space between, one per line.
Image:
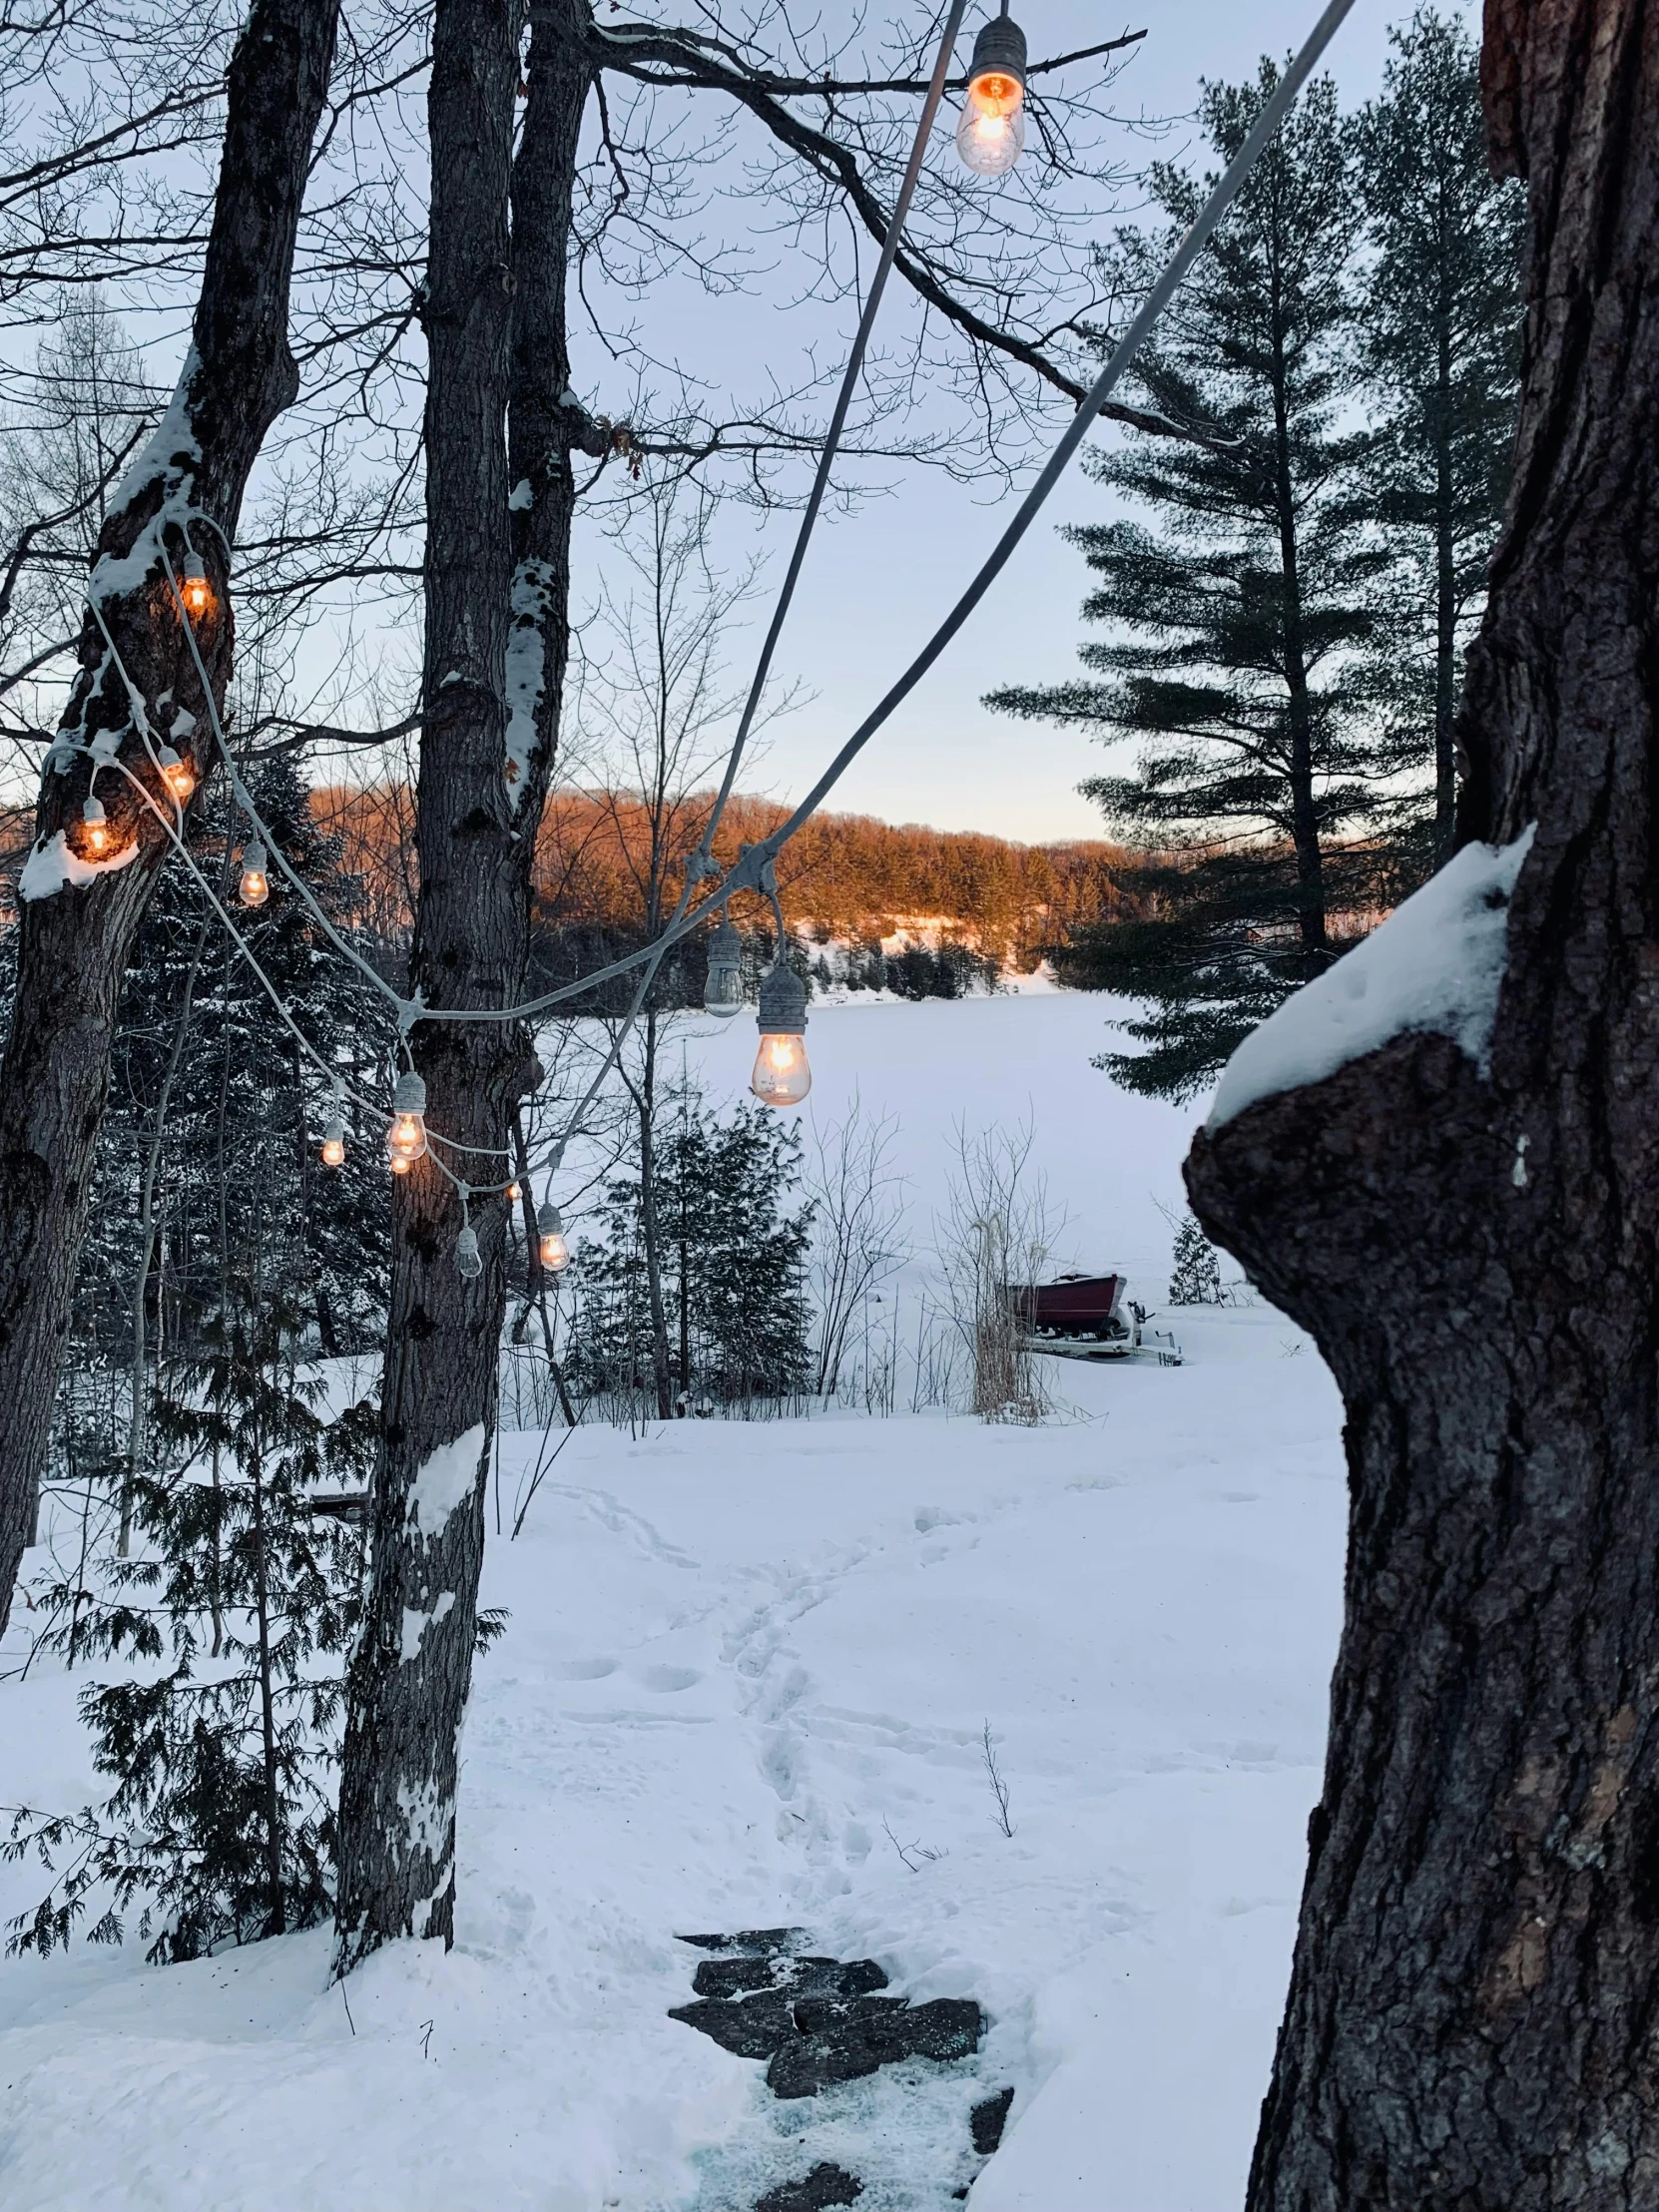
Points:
x=334 y=1134
x=782 y=1076
x=469 y=1261
x=550 y=1240
x=513 y=1193
x=407 y=1138
x=96 y=834
x=176 y=775
x=992 y=134
x=194 y=588
x=723 y=991
x=256 y=883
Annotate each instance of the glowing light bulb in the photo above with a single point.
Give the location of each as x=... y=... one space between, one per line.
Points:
x=194 y=590
x=550 y=1240
x=96 y=834
x=723 y=991
x=782 y=1075
x=514 y=1194
x=176 y=775
x=407 y=1138
x=990 y=136
x=256 y=883
x=469 y=1261
x=333 y=1145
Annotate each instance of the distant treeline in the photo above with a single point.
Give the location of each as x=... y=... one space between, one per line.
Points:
x=843 y=875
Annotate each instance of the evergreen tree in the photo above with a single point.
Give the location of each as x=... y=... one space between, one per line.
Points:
x=1441 y=328
x=1195 y=1267
x=735 y=1259
x=221 y=1817
x=1242 y=623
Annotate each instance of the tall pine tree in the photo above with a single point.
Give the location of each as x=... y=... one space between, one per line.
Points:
x=1440 y=337
x=1242 y=624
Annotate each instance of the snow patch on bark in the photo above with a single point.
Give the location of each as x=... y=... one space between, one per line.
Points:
x=170 y=458
x=526 y=668
x=415 y=1624
x=520 y=497
x=445 y=1481
x=51 y=865
x=1436 y=966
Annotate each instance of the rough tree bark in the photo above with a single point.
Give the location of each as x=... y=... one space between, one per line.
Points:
x=1471 y=2016
x=185 y=491
x=497 y=380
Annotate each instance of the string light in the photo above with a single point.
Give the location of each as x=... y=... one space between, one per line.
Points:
x=514 y=1194
x=333 y=1135
x=782 y=1075
x=407 y=1138
x=96 y=835
x=176 y=775
x=256 y=883
x=723 y=991
x=550 y=1236
x=194 y=590
x=992 y=134
x=468 y=1258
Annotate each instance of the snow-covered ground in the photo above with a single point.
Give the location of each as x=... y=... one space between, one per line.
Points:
x=745 y=1664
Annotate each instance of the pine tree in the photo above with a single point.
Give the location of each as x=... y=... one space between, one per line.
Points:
x=735 y=1258
x=1242 y=622
x=1195 y=1267
x=1440 y=333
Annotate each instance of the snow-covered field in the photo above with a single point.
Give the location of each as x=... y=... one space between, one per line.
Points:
x=745 y=1664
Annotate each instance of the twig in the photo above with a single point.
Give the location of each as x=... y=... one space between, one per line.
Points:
x=1000 y=1788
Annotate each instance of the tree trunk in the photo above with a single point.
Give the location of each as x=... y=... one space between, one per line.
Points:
x=74 y=940
x=485 y=752
x=1470 y=2015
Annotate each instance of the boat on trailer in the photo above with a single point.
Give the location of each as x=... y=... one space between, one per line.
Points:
x=1088 y=1317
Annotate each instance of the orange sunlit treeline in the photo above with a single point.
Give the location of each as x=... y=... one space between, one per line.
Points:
x=842 y=876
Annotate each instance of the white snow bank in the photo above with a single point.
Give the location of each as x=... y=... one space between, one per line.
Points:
x=51 y=865
x=445 y=1480
x=1436 y=965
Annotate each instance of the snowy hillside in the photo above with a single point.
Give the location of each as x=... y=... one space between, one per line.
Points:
x=746 y=1684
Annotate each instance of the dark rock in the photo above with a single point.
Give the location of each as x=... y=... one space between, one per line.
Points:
x=825 y=2185
x=988 y=2120
x=753 y=2029
x=765 y=1941
x=842 y=2039
x=802 y=1976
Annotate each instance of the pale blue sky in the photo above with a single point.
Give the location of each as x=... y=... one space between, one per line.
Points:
x=879 y=578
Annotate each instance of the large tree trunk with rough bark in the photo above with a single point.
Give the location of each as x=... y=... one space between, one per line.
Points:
x=1471 y=2016
x=138 y=690
x=497 y=582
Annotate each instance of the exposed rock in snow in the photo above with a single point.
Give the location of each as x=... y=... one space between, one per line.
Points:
x=445 y=1480
x=1436 y=966
x=51 y=865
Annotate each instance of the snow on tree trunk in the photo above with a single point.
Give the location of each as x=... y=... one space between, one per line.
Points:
x=80 y=915
x=1460 y=1201
x=494 y=318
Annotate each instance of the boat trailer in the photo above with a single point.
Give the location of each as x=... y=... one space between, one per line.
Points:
x=1088 y=1317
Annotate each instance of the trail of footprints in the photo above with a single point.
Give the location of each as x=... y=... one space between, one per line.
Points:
x=818 y=2022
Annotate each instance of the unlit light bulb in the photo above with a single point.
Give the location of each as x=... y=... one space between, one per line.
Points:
x=722 y=990
x=551 y=1247
x=407 y=1138
x=468 y=1258
x=256 y=883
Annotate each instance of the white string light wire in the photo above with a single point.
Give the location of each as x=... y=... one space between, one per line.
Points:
x=751 y=869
